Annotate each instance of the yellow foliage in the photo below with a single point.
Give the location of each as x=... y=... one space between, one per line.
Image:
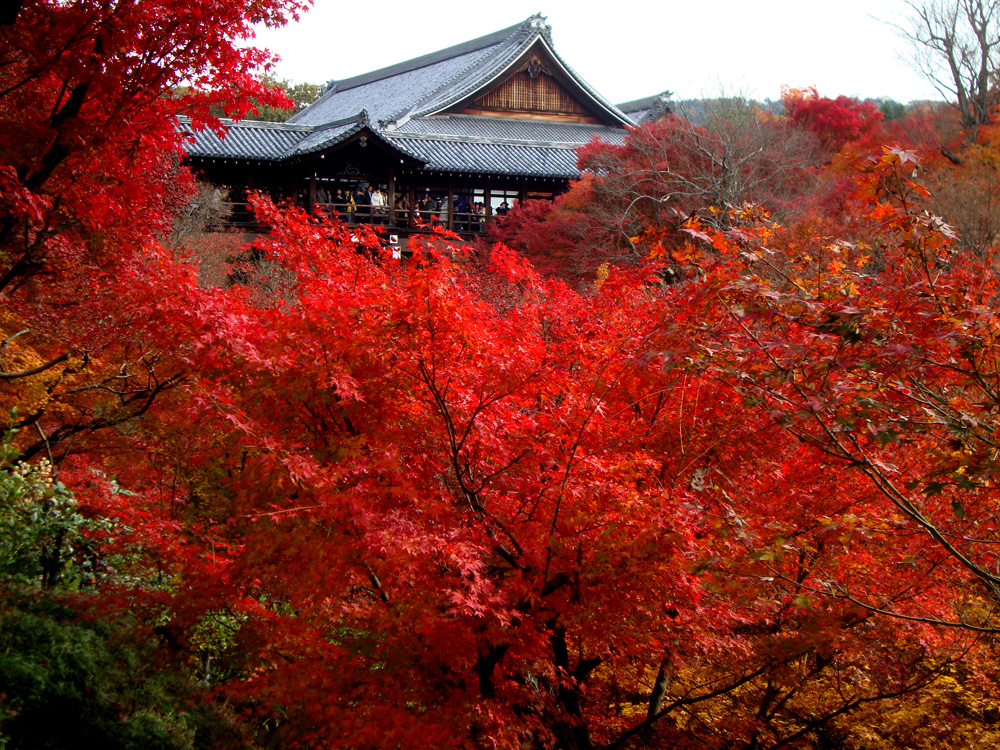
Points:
x=29 y=394
x=602 y=274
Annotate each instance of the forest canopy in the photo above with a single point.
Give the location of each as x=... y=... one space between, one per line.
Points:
x=701 y=454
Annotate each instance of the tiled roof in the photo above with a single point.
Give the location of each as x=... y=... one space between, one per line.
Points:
x=267 y=141
x=648 y=108
x=506 y=129
x=385 y=98
x=483 y=157
x=325 y=136
x=458 y=50
x=495 y=145
x=321 y=138
x=533 y=32
x=244 y=140
x=399 y=104
x=432 y=83
x=638 y=105
x=390 y=92
x=454 y=143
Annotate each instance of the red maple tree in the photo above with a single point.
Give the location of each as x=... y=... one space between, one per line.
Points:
x=521 y=514
x=383 y=503
x=835 y=121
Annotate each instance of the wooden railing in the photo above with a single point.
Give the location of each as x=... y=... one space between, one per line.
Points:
x=398 y=218
x=241 y=217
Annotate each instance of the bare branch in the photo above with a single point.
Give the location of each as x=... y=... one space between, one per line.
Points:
x=35 y=370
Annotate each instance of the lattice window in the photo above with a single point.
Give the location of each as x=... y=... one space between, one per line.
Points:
x=524 y=93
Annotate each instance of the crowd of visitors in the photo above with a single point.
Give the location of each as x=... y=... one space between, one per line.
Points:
x=367 y=204
x=363 y=203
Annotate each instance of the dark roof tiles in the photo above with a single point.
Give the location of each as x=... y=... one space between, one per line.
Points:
x=398 y=105
x=319 y=139
x=387 y=98
x=244 y=140
x=648 y=108
x=533 y=33
x=492 y=158
x=506 y=129
x=486 y=70
x=425 y=61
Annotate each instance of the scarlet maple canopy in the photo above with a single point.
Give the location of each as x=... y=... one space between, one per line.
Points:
x=835 y=121
x=378 y=503
x=90 y=180
x=87 y=130
x=490 y=509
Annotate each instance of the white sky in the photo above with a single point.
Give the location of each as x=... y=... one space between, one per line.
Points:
x=628 y=50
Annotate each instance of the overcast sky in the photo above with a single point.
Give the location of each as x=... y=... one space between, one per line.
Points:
x=628 y=50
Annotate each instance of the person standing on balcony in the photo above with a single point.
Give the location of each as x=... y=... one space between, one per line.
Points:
x=461 y=212
x=378 y=206
x=362 y=204
x=431 y=208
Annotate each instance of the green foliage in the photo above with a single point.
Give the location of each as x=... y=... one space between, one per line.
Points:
x=214 y=639
x=892 y=110
x=67 y=680
x=44 y=539
x=72 y=682
x=301 y=94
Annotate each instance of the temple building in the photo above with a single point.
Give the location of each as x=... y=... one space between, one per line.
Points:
x=456 y=136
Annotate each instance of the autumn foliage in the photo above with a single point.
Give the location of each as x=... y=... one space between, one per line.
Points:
x=836 y=121
x=735 y=490
x=663 y=173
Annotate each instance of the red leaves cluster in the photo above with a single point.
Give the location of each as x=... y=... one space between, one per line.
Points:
x=88 y=101
x=489 y=508
x=835 y=121
x=430 y=503
x=665 y=172
x=480 y=506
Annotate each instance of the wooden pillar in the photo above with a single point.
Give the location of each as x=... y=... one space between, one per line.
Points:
x=392 y=196
x=451 y=203
x=312 y=192
x=488 y=200
x=413 y=201
x=237 y=199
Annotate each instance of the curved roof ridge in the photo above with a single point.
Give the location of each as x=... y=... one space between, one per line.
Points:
x=361 y=118
x=524 y=34
x=598 y=97
x=330 y=134
x=489 y=68
x=488 y=40
x=538 y=31
x=482 y=49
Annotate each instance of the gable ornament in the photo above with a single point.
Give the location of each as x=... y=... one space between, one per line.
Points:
x=535 y=67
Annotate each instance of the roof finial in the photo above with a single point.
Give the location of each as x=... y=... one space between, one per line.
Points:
x=662 y=106
x=537 y=23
